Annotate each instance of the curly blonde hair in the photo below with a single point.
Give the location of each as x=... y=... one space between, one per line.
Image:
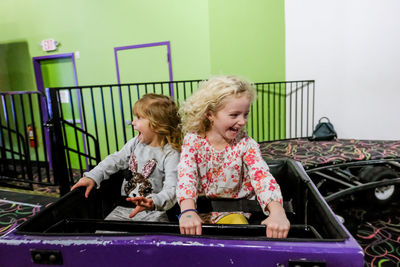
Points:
x=210 y=98
x=163 y=116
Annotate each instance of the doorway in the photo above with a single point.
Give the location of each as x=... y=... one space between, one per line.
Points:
x=143 y=63
x=55 y=71
x=58 y=71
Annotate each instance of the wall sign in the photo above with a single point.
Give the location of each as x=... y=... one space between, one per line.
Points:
x=49 y=45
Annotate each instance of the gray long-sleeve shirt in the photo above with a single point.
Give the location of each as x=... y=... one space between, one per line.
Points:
x=163 y=178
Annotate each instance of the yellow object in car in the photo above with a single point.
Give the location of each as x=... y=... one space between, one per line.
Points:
x=233 y=218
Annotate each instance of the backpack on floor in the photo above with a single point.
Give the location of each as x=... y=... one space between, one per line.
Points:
x=323 y=131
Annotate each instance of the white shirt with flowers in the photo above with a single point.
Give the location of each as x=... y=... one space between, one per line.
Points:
x=238 y=171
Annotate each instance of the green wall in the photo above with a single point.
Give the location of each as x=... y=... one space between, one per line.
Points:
x=247 y=38
x=208 y=37
x=95 y=27
x=244 y=37
x=16 y=70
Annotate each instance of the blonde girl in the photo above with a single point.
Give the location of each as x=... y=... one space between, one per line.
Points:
x=149 y=160
x=218 y=160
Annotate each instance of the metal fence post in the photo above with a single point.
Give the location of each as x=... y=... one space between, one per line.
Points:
x=60 y=168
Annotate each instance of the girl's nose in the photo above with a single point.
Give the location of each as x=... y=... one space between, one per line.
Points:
x=134 y=122
x=242 y=121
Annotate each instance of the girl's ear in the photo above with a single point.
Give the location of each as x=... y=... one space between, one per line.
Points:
x=210 y=116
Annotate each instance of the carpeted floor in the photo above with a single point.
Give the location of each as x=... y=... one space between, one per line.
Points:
x=380 y=240
x=376 y=228
x=14 y=213
x=17 y=206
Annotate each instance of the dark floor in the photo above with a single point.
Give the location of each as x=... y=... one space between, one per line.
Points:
x=17 y=206
x=26 y=197
x=375 y=226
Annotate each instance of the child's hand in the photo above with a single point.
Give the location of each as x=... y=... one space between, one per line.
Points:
x=86 y=182
x=190 y=223
x=277 y=223
x=142 y=204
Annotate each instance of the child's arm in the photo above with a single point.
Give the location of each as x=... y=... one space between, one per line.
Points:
x=277 y=223
x=86 y=182
x=189 y=220
x=186 y=191
x=267 y=190
x=261 y=180
x=112 y=163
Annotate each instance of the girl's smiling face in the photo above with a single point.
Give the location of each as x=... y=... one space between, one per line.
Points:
x=227 y=122
x=146 y=134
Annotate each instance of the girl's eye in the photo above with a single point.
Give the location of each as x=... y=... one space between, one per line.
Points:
x=246 y=115
x=233 y=115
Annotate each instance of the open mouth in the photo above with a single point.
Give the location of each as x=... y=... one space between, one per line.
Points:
x=139 y=135
x=235 y=130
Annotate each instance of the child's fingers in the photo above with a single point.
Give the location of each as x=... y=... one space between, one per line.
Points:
x=192 y=230
x=88 y=189
x=130 y=199
x=277 y=231
x=78 y=184
x=136 y=211
x=198 y=230
x=190 y=225
x=283 y=234
x=269 y=231
x=141 y=201
x=135 y=199
x=86 y=182
x=87 y=192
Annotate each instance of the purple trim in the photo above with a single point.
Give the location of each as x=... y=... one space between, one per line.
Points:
x=38 y=70
x=151 y=250
x=4 y=108
x=167 y=43
x=40 y=87
x=54 y=56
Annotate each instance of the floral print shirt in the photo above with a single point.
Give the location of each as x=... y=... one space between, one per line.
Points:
x=238 y=171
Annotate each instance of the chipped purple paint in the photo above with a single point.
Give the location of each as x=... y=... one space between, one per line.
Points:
x=157 y=250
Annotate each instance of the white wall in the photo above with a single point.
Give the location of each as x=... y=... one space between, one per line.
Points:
x=351 y=48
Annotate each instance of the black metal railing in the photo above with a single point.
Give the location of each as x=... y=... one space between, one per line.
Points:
x=283 y=110
x=104 y=112
x=76 y=127
x=24 y=153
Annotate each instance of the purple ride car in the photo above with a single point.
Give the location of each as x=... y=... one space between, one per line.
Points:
x=72 y=232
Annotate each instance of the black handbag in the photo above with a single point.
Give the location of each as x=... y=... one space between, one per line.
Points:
x=323 y=131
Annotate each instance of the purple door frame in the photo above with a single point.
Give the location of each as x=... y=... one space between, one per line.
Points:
x=38 y=69
x=167 y=43
x=40 y=86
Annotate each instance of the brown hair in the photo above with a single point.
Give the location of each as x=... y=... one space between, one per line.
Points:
x=162 y=113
